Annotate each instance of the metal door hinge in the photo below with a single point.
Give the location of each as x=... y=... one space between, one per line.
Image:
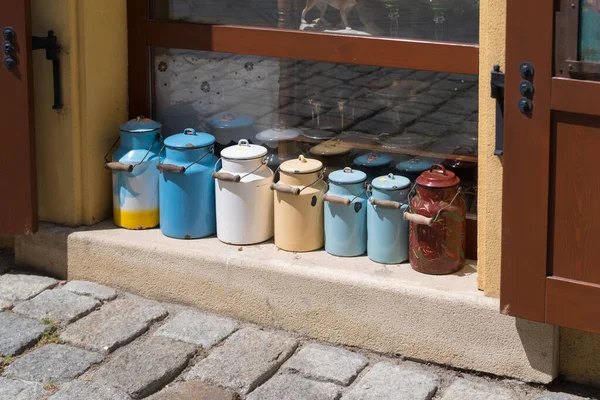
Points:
x=498 y=94
x=50 y=44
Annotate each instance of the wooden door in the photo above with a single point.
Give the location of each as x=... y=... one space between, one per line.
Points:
x=551 y=190
x=18 y=203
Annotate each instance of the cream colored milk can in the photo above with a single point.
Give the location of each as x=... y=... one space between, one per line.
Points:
x=299 y=205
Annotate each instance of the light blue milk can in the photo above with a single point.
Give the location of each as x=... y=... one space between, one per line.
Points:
x=134 y=174
x=346 y=213
x=186 y=187
x=387 y=230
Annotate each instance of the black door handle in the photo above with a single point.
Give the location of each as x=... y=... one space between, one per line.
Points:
x=50 y=44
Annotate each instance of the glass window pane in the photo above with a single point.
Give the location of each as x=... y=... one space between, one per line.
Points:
x=590 y=30
x=337 y=113
x=445 y=20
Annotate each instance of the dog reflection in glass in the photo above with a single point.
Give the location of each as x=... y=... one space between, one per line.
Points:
x=344 y=7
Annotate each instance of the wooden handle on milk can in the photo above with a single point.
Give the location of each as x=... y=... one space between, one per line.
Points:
x=224 y=176
x=117 y=166
x=280 y=187
x=175 y=169
x=337 y=200
x=418 y=219
x=385 y=203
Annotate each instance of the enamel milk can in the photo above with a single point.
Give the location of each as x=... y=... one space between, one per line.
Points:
x=243 y=195
x=281 y=144
x=413 y=168
x=186 y=186
x=387 y=231
x=437 y=215
x=134 y=174
x=374 y=164
x=333 y=154
x=230 y=127
x=346 y=213
x=299 y=205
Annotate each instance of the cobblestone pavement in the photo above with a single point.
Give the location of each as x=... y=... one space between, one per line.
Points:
x=79 y=340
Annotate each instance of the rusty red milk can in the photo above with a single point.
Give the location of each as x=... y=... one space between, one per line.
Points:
x=437 y=223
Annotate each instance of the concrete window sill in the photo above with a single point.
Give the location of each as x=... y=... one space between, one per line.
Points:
x=350 y=301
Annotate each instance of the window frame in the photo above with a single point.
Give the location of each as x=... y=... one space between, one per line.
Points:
x=145 y=33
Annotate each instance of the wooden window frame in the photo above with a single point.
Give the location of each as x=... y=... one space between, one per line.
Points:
x=146 y=33
x=567 y=62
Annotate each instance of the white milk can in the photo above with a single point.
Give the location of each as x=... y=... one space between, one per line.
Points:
x=243 y=195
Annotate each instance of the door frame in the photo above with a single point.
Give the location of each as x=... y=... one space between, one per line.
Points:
x=18 y=205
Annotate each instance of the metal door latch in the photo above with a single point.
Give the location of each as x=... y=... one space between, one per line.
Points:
x=8 y=47
x=498 y=94
x=50 y=44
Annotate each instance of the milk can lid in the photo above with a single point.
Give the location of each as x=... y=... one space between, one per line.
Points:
x=416 y=164
x=330 y=148
x=318 y=134
x=243 y=151
x=347 y=176
x=301 y=165
x=140 y=124
x=438 y=177
x=373 y=160
x=189 y=139
x=390 y=182
x=278 y=134
x=230 y=120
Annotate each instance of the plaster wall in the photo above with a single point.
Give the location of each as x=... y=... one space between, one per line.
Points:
x=70 y=143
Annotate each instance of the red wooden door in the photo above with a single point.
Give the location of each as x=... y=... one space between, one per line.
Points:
x=551 y=191
x=18 y=205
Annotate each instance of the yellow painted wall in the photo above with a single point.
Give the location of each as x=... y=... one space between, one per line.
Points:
x=73 y=187
x=492 y=37
x=57 y=133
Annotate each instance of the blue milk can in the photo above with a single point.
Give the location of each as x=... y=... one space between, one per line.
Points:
x=374 y=164
x=346 y=213
x=134 y=174
x=386 y=228
x=186 y=187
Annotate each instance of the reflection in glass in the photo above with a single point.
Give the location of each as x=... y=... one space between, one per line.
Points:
x=371 y=117
x=446 y=20
x=590 y=30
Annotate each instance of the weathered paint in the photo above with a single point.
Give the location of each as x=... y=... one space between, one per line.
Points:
x=589 y=45
x=439 y=248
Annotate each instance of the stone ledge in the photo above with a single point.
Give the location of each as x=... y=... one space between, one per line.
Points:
x=355 y=302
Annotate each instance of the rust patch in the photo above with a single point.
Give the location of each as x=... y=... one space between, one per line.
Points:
x=187 y=236
x=189 y=145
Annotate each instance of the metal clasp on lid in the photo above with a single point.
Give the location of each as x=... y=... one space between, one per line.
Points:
x=244 y=142
x=348 y=170
x=190 y=130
